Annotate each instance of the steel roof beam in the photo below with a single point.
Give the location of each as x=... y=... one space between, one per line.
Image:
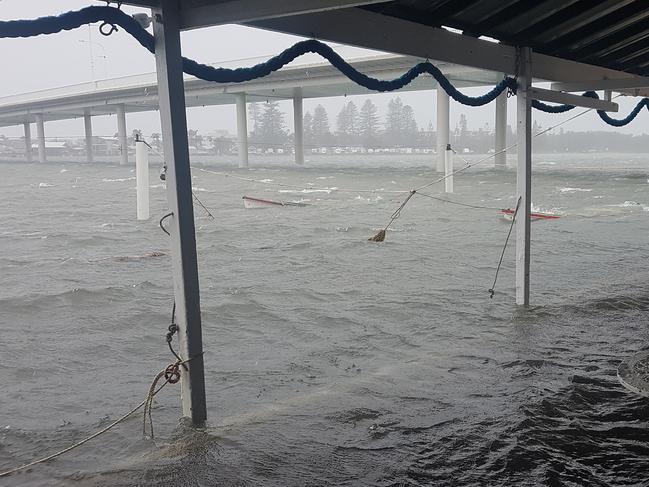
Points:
x=608 y=29
x=573 y=18
x=362 y=28
x=604 y=84
x=569 y=99
x=237 y=11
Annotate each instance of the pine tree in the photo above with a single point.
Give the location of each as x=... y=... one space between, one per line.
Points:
x=409 y=126
x=347 y=123
x=394 y=122
x=307 y=125
x=368 y=123
x=320 y=126
x=254 y=115
x=271 y=125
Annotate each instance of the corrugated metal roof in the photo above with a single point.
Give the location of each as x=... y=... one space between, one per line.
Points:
x=608 y=33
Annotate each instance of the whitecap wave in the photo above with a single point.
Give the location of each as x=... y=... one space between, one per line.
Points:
x=574 y=190
x=117 y=180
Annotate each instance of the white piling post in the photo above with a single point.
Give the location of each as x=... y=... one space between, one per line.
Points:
x=28 y=141
x=242 y=129
x=298 y=126
x=442 y=126
x=87 y=123
x=142 y=179
x=121 y=134
x=500 y=136
x=524 y=177
x=448 y=169
x=40 y=134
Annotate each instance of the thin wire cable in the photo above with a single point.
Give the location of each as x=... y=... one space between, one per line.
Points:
x=492 y=290
x=458 y=203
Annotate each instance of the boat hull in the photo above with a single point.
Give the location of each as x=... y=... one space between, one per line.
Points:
x=250 y=203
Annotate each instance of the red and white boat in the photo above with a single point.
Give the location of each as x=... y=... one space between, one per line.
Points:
x=249 y=202
x=508 y=214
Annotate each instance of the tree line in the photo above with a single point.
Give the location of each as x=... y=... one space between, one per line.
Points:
x=353 y=126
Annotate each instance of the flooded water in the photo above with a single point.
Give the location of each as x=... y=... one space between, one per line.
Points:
x=329 y=360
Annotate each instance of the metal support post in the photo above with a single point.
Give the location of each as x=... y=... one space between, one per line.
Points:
x=121 y=134
x=500 y=137
x=87 y=122
x=179 y=196
x=298 y=126
x=448 y=169
x=524 y=176
x=40 y=135
x=28 y=141
x=242 y=129
x=442 y=127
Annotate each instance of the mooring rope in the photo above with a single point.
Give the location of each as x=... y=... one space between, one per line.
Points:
x=492 y=289
x=152 y=392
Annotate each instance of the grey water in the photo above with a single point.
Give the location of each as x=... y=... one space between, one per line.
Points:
x=330 y=360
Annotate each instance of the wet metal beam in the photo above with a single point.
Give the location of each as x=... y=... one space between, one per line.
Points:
x=569 y=99
x=602 y=84
x=237 y=11
x=179 y=197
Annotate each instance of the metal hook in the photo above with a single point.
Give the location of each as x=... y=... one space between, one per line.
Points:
x=102 y=27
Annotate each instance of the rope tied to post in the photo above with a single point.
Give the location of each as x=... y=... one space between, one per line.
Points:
x=492 y=289
x=380 y=236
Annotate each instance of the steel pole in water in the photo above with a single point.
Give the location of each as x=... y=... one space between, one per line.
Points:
x=180 y=200
x=524 y=177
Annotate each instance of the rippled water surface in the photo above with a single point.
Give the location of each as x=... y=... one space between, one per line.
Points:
x=329 y=360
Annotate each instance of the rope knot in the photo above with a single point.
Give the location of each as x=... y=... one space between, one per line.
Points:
x=172 y=373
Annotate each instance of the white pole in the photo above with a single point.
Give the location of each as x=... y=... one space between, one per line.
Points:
x=524 y=177
x=142 y=179
x=87 y=122
x=298 y=126
x=121 y=134
x=442 y=127
x=500 y=141
x=173 y=120
x=40 y=134
x=28 y=141
x=448 y=169
x=242 y=129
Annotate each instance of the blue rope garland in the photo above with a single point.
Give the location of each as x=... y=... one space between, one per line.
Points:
x=615 y=122
x=72 y=20
x=114 y=17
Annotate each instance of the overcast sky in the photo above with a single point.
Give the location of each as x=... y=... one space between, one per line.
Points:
x=64 y=59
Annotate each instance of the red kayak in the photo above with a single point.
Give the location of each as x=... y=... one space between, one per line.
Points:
x=508 y=214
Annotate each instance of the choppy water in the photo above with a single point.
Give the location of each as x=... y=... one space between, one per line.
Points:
x=329 y=360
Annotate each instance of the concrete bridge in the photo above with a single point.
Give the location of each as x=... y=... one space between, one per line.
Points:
x=299 y=80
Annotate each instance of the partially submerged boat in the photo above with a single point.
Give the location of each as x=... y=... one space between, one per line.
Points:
x=249 y=202
x=508 y=214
